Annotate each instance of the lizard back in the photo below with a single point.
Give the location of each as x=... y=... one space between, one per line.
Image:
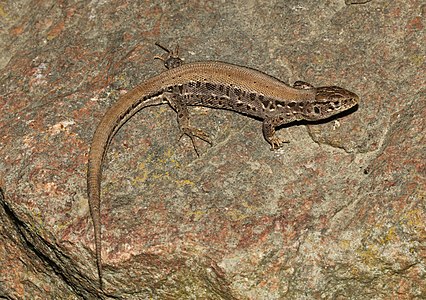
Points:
x=211 y=84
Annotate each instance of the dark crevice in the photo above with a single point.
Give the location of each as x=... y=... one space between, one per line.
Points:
x=34 y=243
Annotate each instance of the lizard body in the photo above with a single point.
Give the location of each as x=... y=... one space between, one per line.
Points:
x=216 y=85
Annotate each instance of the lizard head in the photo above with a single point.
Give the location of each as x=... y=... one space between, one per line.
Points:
x=329 y=101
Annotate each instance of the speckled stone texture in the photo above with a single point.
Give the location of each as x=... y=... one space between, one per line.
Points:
x=337 y=213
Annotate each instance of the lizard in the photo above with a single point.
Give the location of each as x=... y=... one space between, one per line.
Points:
x=212 y=84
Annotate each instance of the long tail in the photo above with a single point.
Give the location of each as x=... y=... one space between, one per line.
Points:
x=114 y=118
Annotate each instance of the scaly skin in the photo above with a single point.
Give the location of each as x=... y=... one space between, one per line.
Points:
x=216 y=85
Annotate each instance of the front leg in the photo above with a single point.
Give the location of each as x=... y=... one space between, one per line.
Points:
x=269 y=125
x=178 y=104
x=303 y=85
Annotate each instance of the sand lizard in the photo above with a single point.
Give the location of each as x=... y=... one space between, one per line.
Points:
x=217 y=85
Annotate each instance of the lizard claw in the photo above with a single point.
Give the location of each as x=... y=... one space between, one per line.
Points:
x=276 y=143
x=171 y=59
x=302 y=85
x=192 y=133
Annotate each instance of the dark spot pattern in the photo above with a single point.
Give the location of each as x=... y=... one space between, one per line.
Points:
x=280 y=103
x=265 y=102
x=317 y=110
x=210 y=86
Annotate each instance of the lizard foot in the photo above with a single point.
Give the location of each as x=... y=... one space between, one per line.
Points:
x=276 y=143
x=303 y=85
x=192 y=133
x=171 y=59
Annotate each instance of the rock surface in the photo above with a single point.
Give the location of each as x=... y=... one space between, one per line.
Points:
x=338 y=213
